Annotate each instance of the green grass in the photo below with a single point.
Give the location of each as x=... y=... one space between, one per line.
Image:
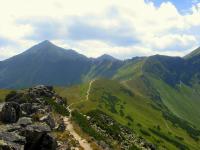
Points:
x=182 y=101
x=3 y=94
x=132 y=104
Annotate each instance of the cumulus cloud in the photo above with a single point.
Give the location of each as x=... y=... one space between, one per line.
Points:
x=123 y=28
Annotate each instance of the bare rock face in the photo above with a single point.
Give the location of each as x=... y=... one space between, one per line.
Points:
x=10 y=112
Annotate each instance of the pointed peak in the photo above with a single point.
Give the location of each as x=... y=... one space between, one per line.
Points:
x=106 y=57
x=45 y=42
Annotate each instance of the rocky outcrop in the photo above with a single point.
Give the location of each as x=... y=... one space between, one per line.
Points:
x=20 y=128
x=112 y=130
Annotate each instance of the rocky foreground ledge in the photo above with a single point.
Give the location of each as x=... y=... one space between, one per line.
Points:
x=26 y=119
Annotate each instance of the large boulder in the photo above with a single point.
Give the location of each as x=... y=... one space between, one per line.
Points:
x=38 y=138
x=9 y=112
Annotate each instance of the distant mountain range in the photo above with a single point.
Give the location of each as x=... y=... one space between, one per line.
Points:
x=46 y=63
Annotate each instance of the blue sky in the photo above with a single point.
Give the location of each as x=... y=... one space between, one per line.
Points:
x=122 y=28
x=181 y=5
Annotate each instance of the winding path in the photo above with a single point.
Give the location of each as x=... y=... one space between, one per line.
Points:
x=69 y=126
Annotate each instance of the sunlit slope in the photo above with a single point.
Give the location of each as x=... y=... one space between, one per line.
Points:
x=131 y=109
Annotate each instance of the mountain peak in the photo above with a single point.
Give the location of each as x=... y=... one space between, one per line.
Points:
x=44 y=47
x=45 y=43
x=194 y=53
x=106 y=57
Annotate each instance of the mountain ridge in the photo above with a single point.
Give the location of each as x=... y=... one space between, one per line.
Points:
x=45 y=62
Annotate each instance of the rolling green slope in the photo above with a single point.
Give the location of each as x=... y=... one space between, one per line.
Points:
x=183 y=101
x=130 y=109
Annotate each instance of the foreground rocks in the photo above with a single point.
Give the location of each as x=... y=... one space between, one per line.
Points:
x=26 y=122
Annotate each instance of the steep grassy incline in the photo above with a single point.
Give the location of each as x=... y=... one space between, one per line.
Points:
x=183 y=100
x=131 y=109
x=102 y=68
x=169 y=81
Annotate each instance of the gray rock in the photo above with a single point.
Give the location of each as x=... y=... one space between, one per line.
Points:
x=38 y=138
x=49 y=120
x=27 y=108
x=10 y=112
x=59 y=100
x=40 y=91
x=5 y=145
x=61 y=126
x=36 y=107
x=24 y=121
x=38 y=127
x=12 y=137
x=12 y=127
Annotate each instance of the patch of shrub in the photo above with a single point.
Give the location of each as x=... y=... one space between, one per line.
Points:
x=144 y=132
x=121 y=112
x=85 y=126
x=133 y=147
x=10 y=95
x=60 y=109
x=126 y=91
x=179 y=138
x=129 y=118
x=194 y=133
x=169 y=139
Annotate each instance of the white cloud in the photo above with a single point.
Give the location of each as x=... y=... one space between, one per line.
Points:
x=162 y=30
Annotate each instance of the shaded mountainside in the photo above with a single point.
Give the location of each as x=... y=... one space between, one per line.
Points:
x=49 y=64
x=42 y=64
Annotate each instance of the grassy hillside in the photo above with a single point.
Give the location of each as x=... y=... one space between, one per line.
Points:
x=130 y=109
x=3 y=93
x=182 y=100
